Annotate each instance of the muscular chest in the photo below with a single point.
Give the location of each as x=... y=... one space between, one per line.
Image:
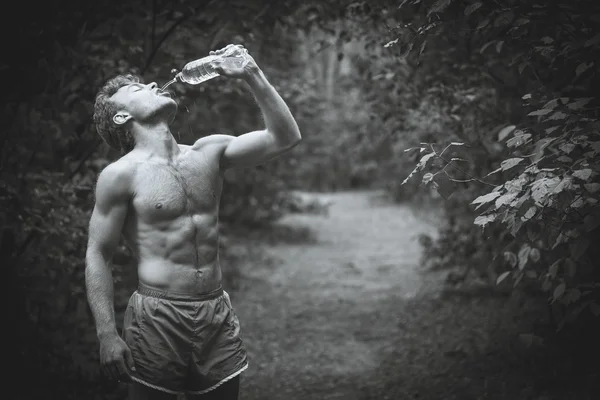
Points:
x=164 y=191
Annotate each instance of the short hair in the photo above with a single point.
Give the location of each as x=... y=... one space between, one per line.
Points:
x=116 y=136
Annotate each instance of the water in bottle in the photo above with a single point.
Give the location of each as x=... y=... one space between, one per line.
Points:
x=201 y=70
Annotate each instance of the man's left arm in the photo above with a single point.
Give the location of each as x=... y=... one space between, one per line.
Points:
x=281 y=131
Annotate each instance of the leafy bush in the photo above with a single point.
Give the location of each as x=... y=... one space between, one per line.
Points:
x=537 y=187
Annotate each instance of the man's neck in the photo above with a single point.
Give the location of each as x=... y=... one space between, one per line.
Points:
x=156 y=140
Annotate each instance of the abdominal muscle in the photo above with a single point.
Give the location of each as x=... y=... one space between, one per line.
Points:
x=180 y=255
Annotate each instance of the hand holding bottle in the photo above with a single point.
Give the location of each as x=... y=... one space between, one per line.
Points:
x=233 y=61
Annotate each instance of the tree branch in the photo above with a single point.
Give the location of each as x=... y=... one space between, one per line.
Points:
x=169 y=32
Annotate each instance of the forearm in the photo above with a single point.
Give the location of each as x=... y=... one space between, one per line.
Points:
x=278 y=118
x=99 y=286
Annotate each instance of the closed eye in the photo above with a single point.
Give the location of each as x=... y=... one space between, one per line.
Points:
x=136 y=87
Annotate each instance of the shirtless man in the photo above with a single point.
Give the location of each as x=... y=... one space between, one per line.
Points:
x=180 y=332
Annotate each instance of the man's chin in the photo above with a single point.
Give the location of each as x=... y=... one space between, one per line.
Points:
x=169 y=108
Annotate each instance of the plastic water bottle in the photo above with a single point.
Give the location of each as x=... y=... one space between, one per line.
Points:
x=201 y=70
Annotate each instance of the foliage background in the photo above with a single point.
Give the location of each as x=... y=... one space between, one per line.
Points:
x=512 y=84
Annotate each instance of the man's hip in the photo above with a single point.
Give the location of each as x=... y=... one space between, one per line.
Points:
x=183 y=343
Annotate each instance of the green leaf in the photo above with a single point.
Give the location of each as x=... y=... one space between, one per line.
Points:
x=592 y=187
x=583 y=174
x=578 y=203
x=576 y=105
x=552 y=104
x=502 y=277
x=542 y=187
x=486 y=198
x=521 y=22
x=485 y=46
x=535 y=255
x=514 y=224
x=529 y=213
x=595 y=146
x=494 y=172
x=483 y=220
x=511 y=258
x=424 y=159
x=483 y=23
x=439 y=6
x=499 y=46
x=422 y=163
x=443 y=185
x=592 y=41
x=510 y=163
x=559 y=291
x=391 y=43
x=518 y=140
x=581 y=68
x=553 y=270
x=557 y=115
x=524 y=255
x=505 y=199
x=565 y=159
x=565 y=184
x=562 y=238
x=427 y=178
x=522 y=67
x=578 y=248
x=471 y=8
x=539 y=113
x=504 y=132
x=567 y=147
x=422 y=48
x=516 y=184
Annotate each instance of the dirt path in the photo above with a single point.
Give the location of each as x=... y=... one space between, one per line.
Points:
x=319 y=319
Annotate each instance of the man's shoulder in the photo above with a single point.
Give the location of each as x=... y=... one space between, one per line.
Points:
x=121 y=168
x=212 y=141
x=117 y=176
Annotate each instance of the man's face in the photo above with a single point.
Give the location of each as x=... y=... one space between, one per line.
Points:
x=145 y=103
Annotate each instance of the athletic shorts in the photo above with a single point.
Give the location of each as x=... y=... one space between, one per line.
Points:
x=183 y=343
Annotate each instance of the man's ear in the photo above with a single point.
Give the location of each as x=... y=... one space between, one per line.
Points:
x=121 y=117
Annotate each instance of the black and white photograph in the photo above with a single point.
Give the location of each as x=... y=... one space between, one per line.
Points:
x=301 y=200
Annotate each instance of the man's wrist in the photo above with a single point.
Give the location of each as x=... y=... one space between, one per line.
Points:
x=108 y=333
x=256 y=79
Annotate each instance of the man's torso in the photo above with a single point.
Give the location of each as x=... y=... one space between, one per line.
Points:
x=172 y=223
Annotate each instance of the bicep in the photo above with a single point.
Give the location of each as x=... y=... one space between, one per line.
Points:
x=249 y=149
x=105 y=229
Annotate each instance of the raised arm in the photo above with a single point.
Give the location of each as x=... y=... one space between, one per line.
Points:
x=281 y=131
x=106 y=223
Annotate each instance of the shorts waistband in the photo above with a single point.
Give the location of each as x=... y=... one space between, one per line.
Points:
x=174 y=296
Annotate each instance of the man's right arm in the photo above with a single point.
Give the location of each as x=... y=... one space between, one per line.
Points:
x=110 y=210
